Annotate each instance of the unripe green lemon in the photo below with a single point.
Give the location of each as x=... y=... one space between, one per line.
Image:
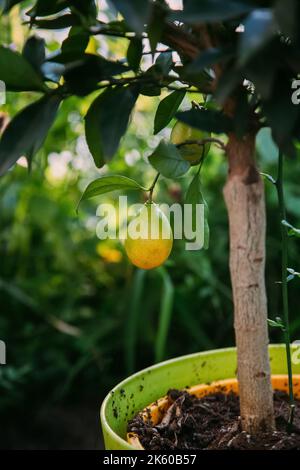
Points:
x=192 y=153
x=149 y=238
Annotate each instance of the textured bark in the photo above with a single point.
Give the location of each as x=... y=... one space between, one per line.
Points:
x=244 y=196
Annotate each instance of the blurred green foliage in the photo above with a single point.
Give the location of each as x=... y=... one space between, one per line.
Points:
x=75 y=315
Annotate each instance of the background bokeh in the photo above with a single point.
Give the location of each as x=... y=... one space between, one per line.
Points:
x=75 y=315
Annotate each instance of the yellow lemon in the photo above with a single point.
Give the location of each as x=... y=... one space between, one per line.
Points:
x=192 y=153
x=149 y=238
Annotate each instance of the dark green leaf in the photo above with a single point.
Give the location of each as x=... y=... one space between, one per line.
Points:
x=260 y=27
x=201 y=79
x=27 y=131
x=106 y=184
x=135 y=12
x=207 y=120
x=281 y=113
x=208 y=58
x=17 y=72
x=167 y=160
x=34 y=52
x=48 y=7
x=167 y=109
x=92 y=67
x=134 y=53
x=156 y=23
x=85 y=7
x=61 y=22
x=76 y=42
x=227 y=83
x=107 y=120
x=210 y=11
x=194 y=196
x=164 y=62
x=150 y=89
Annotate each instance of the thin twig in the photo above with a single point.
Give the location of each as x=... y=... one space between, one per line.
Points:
x=202 y=142
x=151 y=189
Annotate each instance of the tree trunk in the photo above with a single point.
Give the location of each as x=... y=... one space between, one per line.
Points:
x=244 y=197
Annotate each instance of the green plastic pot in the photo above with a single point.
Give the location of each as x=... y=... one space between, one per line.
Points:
x=139 y=390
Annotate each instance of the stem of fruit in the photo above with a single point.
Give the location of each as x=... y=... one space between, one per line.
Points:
x=284 y=259
x=151 y=189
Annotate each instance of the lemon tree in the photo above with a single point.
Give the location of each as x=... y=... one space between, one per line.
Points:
x=239 y=54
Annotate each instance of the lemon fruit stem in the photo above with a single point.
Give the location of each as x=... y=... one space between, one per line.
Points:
x=151 y=189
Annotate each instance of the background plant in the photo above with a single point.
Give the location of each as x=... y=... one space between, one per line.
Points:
x=59 y=284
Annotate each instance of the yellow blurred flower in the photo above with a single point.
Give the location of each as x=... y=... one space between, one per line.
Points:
x=110 y=255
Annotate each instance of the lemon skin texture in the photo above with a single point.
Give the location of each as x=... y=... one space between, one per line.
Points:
x=192 y=153
x=150 y=251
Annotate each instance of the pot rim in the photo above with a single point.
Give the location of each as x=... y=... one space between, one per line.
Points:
x=107 y=429
x=122 y=384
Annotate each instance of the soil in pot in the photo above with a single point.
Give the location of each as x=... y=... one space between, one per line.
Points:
x=212 y=422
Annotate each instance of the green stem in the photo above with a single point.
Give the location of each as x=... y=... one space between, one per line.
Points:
x=284 y=285
x=165 y=315
x=151 y=189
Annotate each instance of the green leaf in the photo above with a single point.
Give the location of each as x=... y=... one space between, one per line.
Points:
x=134 y=53
x=266 y=146
x=208 y=58
x=292 y=231
x=76 y=42
x=207 y=120
x=268 y=177
x=27 y=131
x=194 y=196
x=107 y=120
x=201 y=79
x=107 y=184
x=92 y=67
x=275 y=324
x=260 y=28
x=17 y=73
x=164 y=62
x=150 y=89
x=167 y=109
x=136 y=12
x=167 y=160
x=87 y=8
x=47 y=7
x=210 y=11
x=155 y=26
x=34 y=52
